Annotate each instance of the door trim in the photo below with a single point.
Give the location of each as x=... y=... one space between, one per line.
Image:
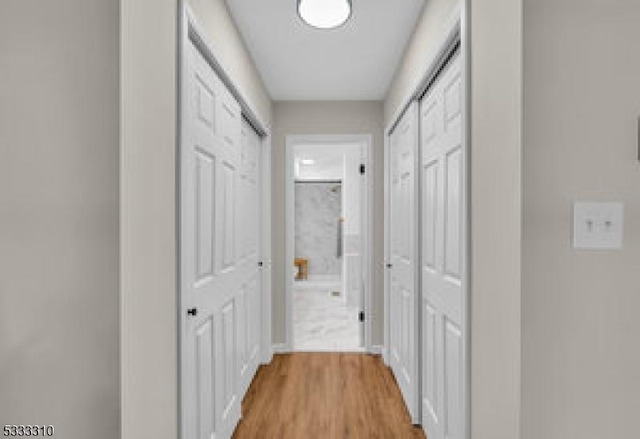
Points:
x=366 y=141
x=190 y=32
x=266 y=349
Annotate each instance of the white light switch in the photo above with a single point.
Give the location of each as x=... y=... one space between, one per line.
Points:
x=597 y=225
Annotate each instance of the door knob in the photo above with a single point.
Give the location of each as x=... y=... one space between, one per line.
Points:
x=389 y=266
x=192 y=312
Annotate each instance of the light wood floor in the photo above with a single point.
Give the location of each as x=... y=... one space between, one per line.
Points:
x=325 y=396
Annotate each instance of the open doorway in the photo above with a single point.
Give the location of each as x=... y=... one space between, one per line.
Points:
x=328 y=243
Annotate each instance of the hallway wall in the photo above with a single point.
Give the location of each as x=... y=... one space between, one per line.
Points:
x=362 y=117
x=148 y=113
x=59 y=244
x=581 y=362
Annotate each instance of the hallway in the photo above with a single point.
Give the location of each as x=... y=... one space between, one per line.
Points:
x=147 y=179
x=325 y=396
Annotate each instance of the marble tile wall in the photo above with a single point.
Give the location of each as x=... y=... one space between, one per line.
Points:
x=318 y=207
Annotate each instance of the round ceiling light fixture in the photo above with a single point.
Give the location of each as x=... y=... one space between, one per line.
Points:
x=324 y=14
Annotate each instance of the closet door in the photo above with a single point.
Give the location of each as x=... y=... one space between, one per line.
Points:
x=403 y=270
x=211 y=279
x=443 y=254
x=249 y=302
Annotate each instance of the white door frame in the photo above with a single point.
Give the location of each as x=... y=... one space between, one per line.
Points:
x=265 y=250
x=291 y=141
x=190 y=32
x=456 y=32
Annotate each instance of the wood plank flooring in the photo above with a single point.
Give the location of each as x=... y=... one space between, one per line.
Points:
x=325 y=396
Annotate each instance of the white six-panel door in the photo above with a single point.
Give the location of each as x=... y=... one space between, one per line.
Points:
x=220 y=288
x=403 y=235
x=442 y=254
x=249 y=254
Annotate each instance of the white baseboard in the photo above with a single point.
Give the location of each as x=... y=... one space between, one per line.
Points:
x=281 y=348
x=267 y=357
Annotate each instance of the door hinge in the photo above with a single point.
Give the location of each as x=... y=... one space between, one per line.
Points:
x=362 y=169
x=361 y=317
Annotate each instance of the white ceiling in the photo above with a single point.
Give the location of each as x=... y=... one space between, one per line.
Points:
x=328 y=162
x=354 y=62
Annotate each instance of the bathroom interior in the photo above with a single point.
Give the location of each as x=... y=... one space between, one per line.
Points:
x=327 y=284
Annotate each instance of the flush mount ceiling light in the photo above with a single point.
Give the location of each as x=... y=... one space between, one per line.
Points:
x=307 y=162
x=324 y=14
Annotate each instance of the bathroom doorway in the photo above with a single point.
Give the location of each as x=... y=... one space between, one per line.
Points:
x=327 y=241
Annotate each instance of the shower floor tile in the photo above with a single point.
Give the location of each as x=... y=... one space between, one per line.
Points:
x=322 y=322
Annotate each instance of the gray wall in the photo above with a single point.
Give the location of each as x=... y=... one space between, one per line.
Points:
x=325 y=118
x=581 y=361
x=148 y=251
x=496 y=213
x=59 y=358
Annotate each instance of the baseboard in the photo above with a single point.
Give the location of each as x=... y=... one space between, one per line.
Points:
x=281 y=348
x=267 y=357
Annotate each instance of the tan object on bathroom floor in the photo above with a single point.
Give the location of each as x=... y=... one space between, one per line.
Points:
x=303 y=270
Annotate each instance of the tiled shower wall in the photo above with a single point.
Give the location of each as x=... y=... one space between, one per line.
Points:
x=317 y=211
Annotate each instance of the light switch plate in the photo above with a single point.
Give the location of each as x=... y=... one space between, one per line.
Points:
x=598 y=225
